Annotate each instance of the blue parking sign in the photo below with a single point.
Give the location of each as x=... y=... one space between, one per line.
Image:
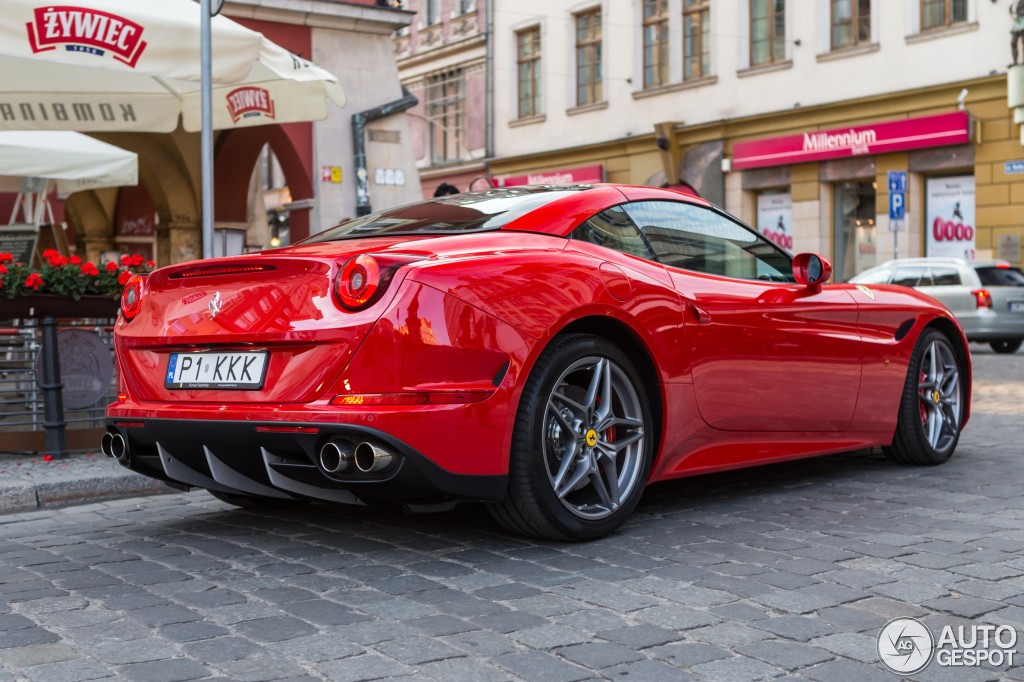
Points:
x=897 y=205
x=897 y=181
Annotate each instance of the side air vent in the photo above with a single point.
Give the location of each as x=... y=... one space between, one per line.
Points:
x=216 y=270
x=904 y=329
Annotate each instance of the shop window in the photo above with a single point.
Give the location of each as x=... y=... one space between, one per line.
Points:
x=851 y=23
x=655 y=42
x=767 y=31
x=942 y=13
x=588 y=58
x=446 y=116
x=528 y=71
x=854 y=230
x=696 y=38
x=775 y=217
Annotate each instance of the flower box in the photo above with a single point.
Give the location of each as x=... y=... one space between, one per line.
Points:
x=41 y=305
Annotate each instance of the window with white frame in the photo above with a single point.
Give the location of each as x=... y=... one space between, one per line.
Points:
x=528 y=80
x=942 y=13
x=445 y=108
x=464 y=6
x=655 y=42
x=850 y=23
x=767 y=31
x=696 y=38
x=589 y=85
x=431 y=12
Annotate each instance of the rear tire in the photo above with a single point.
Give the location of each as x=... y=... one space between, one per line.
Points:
x=1006 y=346
x=256 y=501
x=931 y=410
x=582 y=445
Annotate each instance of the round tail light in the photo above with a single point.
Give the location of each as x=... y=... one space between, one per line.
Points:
x=359 y=283
x=131 y=297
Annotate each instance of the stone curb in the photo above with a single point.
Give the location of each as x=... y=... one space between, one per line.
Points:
x=68 y=482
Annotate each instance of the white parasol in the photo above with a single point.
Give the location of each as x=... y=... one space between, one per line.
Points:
x=112 y=65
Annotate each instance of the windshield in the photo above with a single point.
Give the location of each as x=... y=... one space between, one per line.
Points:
x=1001 y=277
x=453 y=214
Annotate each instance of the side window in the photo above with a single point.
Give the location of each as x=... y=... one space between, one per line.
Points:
x=945 y=277
x=908 y=276
x=877 y=277
x=613 y=229
x=696 y=238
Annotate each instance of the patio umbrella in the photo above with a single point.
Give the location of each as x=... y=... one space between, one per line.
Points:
x=112 y=65
x=73 y=161
x=33 y=161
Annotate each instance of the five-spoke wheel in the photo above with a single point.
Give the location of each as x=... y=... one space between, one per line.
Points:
x=931 y=412
x=581 y=450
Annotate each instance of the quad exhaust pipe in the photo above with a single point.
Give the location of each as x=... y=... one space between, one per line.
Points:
x=105 y=444
x=337 y=457
x=342 y=457
x=371 y=458
x=115 y=445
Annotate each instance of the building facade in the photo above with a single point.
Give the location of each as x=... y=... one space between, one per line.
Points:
x=791 y=117
x=443 y=60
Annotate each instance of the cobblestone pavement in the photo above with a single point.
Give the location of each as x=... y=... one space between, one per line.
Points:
x=784 y=571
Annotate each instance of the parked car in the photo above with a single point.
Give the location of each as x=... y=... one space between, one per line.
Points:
x=550 y=350
x=986 y=296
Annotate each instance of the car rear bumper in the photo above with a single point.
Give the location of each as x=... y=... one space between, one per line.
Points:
x=280 y=459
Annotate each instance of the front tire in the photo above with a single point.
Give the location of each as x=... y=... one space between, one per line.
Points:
x=256 y=501
x=582 y=445
x=1006 y=346
x=931 y=410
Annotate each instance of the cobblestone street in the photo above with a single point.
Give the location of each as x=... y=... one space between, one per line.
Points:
x=785 y=571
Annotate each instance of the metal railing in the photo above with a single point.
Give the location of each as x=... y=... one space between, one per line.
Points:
x=22 y=384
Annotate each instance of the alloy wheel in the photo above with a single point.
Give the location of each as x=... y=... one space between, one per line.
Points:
x=592 y=440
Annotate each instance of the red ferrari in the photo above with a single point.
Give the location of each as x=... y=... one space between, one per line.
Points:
x=547 y=350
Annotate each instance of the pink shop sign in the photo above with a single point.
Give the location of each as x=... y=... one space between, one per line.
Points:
x=877 y=138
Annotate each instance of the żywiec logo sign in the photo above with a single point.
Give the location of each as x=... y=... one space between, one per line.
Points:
x=248 y=101
x=80 y=29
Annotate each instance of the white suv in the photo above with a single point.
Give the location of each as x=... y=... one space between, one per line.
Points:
x=987 y=297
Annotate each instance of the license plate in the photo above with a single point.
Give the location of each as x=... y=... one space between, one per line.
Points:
x=242 y=370
x=1017 y=306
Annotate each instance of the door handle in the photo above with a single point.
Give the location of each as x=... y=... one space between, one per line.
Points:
x=699 y=315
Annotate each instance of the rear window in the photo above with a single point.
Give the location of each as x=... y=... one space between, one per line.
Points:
x=453 y=214
x=1001 y=277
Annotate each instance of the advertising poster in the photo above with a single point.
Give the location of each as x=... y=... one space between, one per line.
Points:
x=775 y=217
x=949 y=217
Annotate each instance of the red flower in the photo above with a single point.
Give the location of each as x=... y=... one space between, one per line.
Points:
x=34 y=281
x=3 y=269
x=6 y=257
x=126 y=259
x=123 y=278
x=137 y=260
x=50 y=253
x=150 y=264
x=111 y=266
x=75 y=260
x=90 y=269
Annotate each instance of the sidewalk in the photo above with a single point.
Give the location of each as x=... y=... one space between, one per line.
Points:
x=28 y=483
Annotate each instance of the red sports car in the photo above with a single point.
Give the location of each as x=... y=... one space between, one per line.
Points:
x=547 y=350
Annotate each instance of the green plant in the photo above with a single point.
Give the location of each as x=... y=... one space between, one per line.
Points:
x=64 y=276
